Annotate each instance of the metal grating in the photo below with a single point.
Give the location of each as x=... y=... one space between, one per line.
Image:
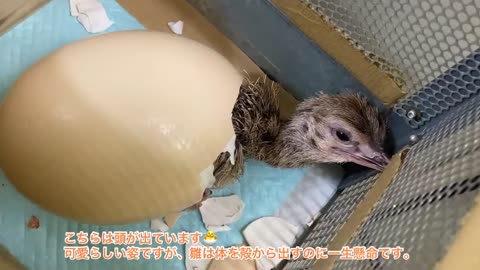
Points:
x=422 y=209
x=329 y=223
x=458 y=84
x=458 y=118
x=428 y=47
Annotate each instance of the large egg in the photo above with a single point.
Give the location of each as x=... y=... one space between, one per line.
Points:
x=116 y=128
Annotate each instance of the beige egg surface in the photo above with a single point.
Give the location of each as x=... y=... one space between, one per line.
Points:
x=116 y=128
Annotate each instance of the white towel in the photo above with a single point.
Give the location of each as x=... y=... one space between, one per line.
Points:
x=218 y=212
x=91 y=14
x=270 y=232
x=315 y=190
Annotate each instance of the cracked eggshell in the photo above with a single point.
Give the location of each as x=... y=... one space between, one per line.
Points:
x=116 y=128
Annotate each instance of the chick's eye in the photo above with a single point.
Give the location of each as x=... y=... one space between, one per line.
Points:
x=342 y=136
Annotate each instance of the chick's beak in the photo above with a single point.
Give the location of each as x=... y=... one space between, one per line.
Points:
x=377 y=162
x=368 y=156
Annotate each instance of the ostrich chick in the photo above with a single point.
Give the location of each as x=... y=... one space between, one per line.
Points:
x=337 y=128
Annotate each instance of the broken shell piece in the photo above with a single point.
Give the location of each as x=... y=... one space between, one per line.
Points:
x=230 y=148
x=176 y=27
x=158 y=224
x=34 y=223
x=192 y=263
x=218 y=211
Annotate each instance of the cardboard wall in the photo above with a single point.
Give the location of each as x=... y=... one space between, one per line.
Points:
x=14 y=11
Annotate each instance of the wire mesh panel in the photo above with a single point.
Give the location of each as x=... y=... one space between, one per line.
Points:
x=422 y=210
x=458 y=84
x=419 y=43
x=329 y=223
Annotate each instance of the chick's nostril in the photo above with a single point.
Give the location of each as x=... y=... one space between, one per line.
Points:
x=381 y=159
